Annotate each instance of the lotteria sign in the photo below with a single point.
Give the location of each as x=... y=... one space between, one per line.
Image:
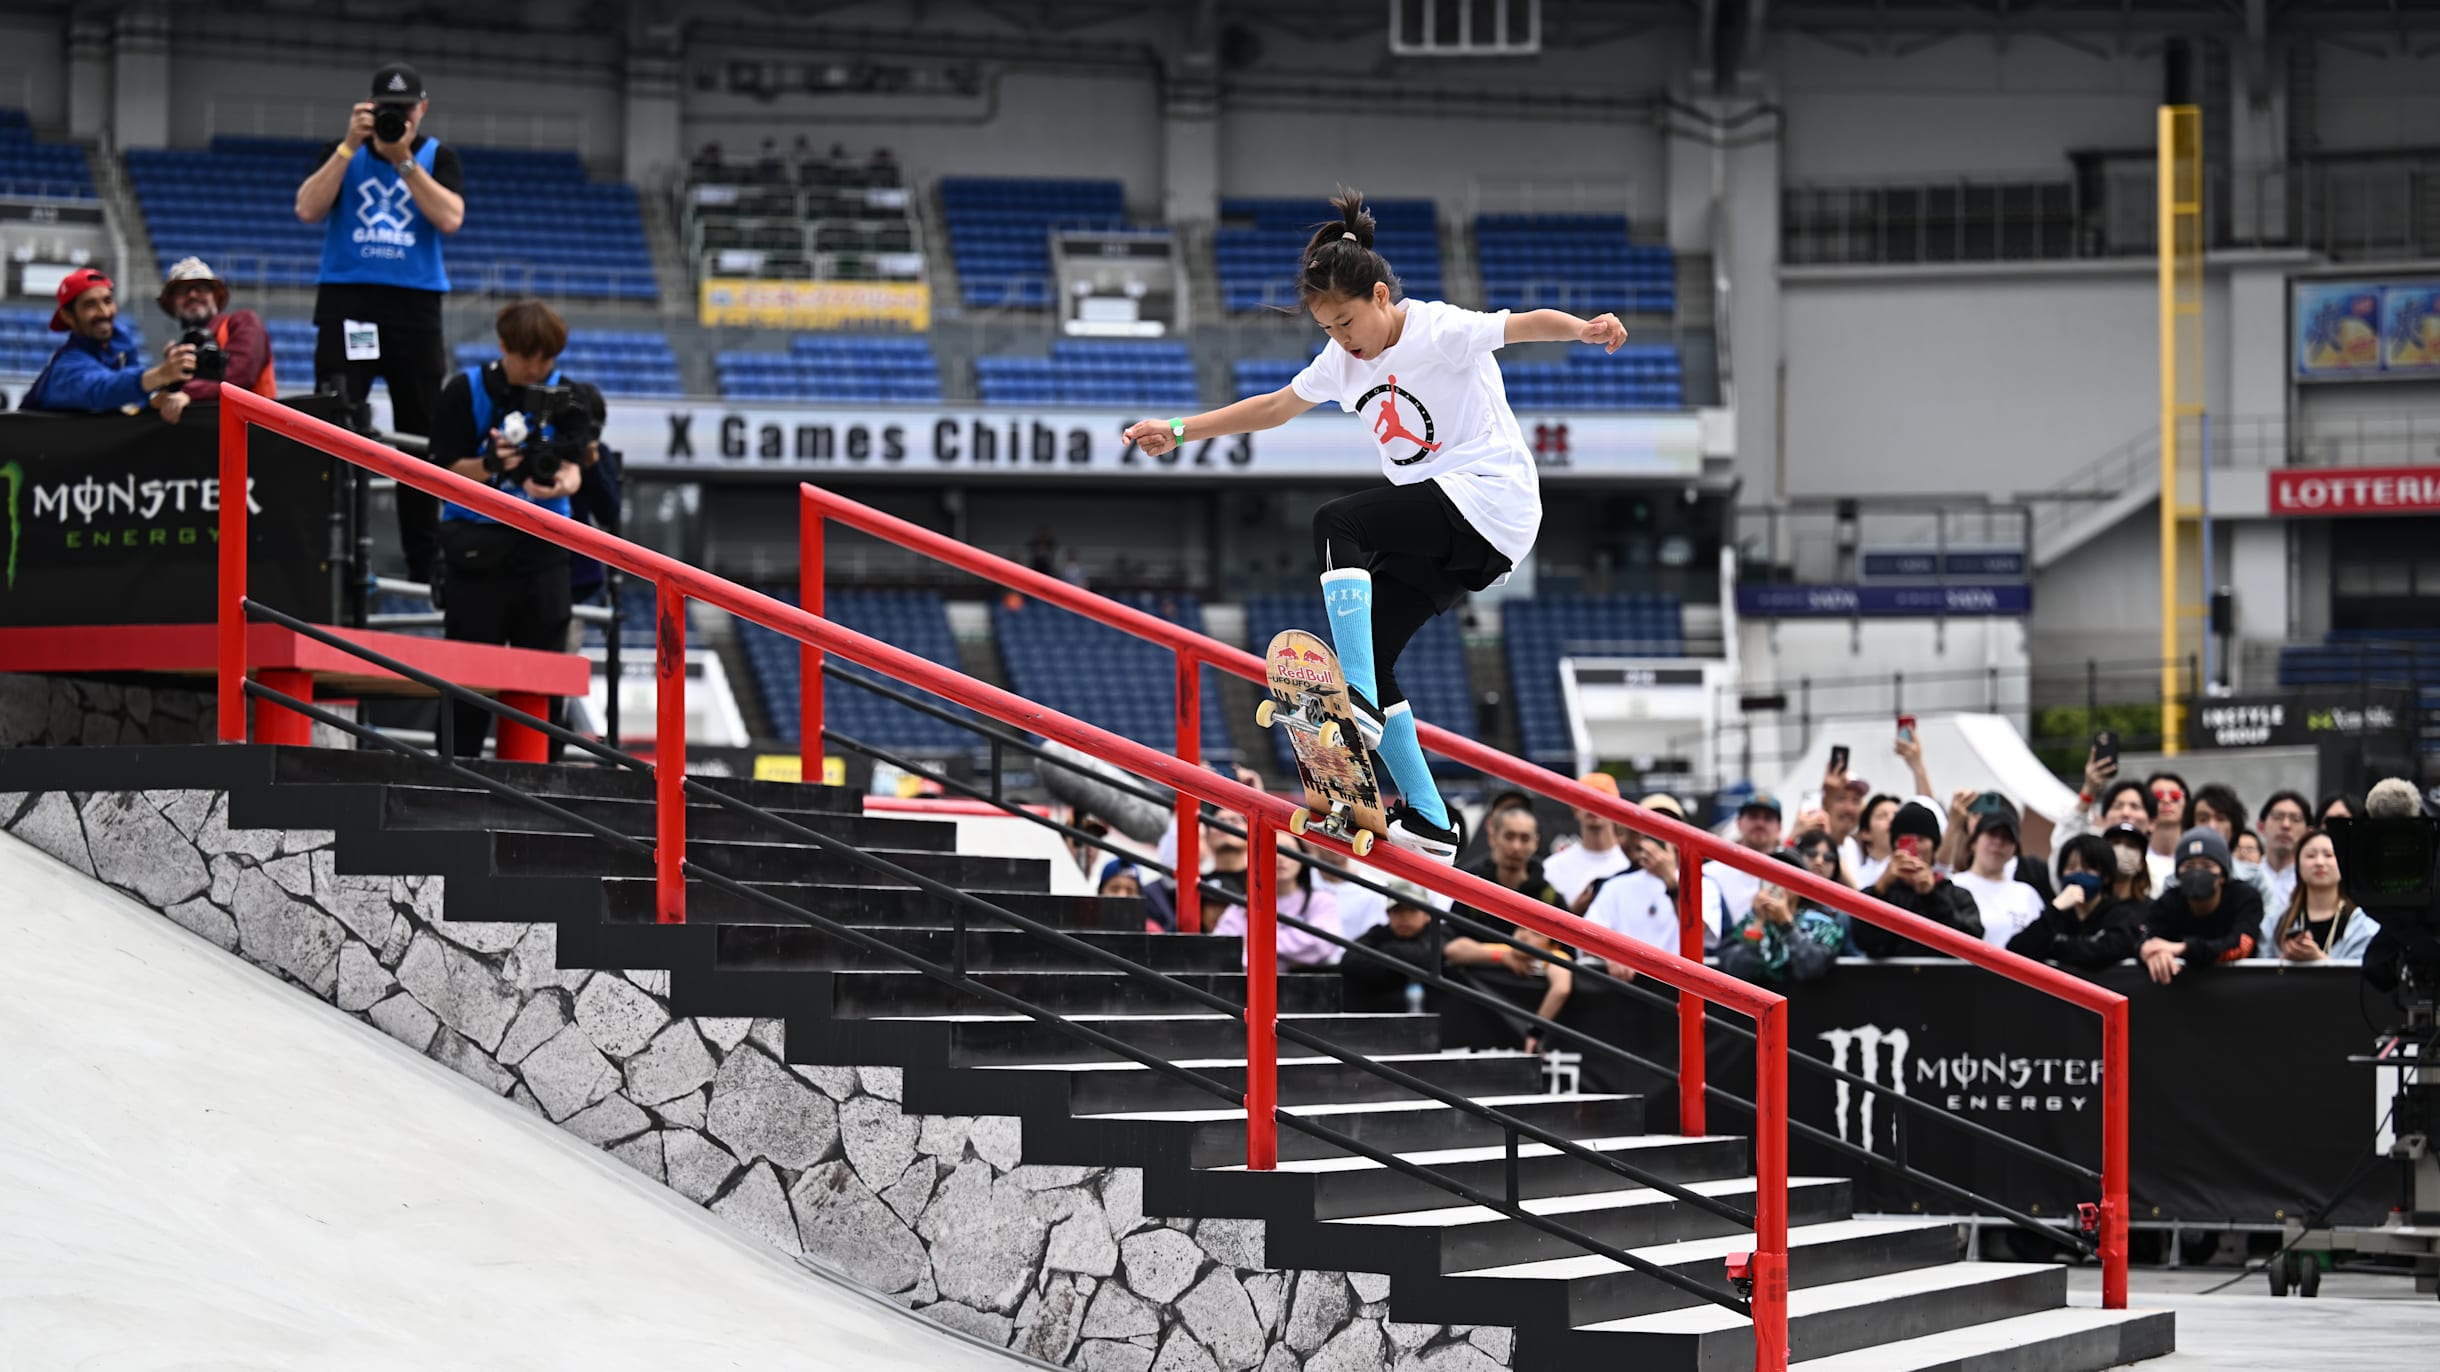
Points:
x=2355 y=491
x=668 y=436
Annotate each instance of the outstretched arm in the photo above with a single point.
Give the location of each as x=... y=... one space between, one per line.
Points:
x=1558 y=326
x=1250 y=415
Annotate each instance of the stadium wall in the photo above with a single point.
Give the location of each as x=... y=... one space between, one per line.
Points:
x=2375 y=96
x=34 y=67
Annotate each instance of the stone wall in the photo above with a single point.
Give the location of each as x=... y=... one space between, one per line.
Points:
x=43 y=711
x=940 y=1214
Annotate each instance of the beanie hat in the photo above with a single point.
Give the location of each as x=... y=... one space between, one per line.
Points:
x=1917 y=820
x=2203 y=841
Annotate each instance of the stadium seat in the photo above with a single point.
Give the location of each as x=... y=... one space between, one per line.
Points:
x=1258 y=243
x=536 y=224
x=1544 y=629
x=1104 y=676
x=29 y=166
x=1000 y=227
x=1638 y=376
x=629 y=363
x=1583 y=263
x=1093 y=372
x=840 y=369
x=916 y=621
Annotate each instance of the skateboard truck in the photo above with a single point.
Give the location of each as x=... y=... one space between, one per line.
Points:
x=1338 y=823
x=1335 y=824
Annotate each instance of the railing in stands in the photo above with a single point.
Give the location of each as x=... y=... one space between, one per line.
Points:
x=1266 y=815
x=1193 y=651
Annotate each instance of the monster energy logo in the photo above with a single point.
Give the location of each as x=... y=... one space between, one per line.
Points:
x=14 y=475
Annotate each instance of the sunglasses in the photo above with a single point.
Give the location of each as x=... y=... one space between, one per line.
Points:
x=2168 y=793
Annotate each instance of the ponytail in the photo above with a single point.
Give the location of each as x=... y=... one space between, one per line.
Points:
x=1339 y=260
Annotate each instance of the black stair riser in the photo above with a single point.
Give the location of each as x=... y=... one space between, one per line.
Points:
x=418 y=807
x=1500 y=1241
x=782 y=947
x=1219 y=1142
x=1465 y=1299
x=366 y=764
x=863 y=995
x=630 y=900
x=1383 y=1191
x=1302 y=1083
x=999 y=1043
x=528 y=853
x=1821 y=1335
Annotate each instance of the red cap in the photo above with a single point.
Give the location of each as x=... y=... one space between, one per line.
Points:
x=72 y=285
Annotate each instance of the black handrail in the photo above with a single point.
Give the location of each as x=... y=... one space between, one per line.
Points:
x=959 y=981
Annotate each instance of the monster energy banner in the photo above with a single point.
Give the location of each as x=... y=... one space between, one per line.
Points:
x=115 y=519
x=2244 y=1104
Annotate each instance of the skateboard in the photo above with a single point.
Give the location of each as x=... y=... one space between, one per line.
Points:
x=1309 y=700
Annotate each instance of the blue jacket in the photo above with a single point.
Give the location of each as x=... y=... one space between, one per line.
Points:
x=85 y=377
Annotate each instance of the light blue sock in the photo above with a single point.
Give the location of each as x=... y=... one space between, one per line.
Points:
x=1347 y=595
x=1402 y=753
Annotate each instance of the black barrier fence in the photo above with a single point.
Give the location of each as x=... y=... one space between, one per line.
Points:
x=2246 y=1109
x=114 y=519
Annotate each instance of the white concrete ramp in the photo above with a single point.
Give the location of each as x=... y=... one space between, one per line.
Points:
x=202 y=1168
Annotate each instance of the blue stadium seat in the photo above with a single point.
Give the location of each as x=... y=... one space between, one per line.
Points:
x=1638 y=376
x=29 y=166
x=26 y=340
x=916 y=621
x=1578 y=262
x=1259 y=242
x=629 y=363
x=1432 y=671
x=534 y=222
x=1544 y=629
x=1093 y=372
x=839 y=369
x=1000 y=227
x=1104 y=676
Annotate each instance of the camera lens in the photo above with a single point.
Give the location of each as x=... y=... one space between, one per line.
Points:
x=389 y=123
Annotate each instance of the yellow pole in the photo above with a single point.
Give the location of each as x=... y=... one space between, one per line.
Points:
x=2181 y=306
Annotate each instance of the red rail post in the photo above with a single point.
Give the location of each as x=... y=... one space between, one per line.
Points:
x=809 y=578
x=2113 y=1234
x=1690 y=1007
x=520 y=742
x=1189 y=692
x=232 y=575
x=669 y=753
x=1261 y=996
x=276 y=723
x=1770 y=1266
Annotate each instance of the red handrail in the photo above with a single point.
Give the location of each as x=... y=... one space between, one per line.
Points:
x=677 y=582
x=817 y=505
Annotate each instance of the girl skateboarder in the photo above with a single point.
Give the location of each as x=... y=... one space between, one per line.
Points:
x=1464 y=501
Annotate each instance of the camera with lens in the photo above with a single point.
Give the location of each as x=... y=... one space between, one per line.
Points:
x=390 y=120
x=211 y=360
x=554 y=427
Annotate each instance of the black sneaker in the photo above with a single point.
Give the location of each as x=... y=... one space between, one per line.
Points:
x=1413 y=832
x=1370 y=722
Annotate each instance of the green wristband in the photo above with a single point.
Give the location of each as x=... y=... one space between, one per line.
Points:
x=1177 y=429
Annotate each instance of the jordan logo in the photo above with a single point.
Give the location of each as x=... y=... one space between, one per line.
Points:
x=1390 y=428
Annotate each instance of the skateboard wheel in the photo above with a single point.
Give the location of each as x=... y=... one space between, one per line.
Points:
x=1330 y=733
x=1298 y=819
x=1265 y=713
x=1362 y=842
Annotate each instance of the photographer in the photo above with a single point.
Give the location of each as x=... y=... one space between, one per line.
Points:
x=232 y=348
x=514 y=425
x=378 y=306
x=97 y=369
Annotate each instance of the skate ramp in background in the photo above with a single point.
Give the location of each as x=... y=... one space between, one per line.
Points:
x=200 y=1165
x=1959 y=750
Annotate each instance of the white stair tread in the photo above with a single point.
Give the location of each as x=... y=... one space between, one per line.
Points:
x=1489 y=1152
x=1353 y=1107
x=1949 y=1346
x=1574 y=1204
x=1813 y=1300
x=1444 y=1055
x=1712 y=1249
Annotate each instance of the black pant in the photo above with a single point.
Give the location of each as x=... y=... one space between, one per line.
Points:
x=1422 y=553
x=413 y=362
x=504 y=587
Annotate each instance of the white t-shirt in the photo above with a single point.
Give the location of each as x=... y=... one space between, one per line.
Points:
x=1360 y=908
x=1439 y=412
x=2007 y=905
x=1737 y=890
x=1638 y=906
x=2280 y=884
x=1573 y=868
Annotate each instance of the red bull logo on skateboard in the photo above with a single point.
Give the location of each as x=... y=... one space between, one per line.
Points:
x=1302 y=666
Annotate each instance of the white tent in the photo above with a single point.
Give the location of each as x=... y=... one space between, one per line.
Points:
x=1959 y=750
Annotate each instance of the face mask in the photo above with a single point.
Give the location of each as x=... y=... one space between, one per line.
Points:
x=2130 y=860
x=2085 y=882
x=2198 y=884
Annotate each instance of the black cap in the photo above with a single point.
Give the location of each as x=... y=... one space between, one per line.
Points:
x=1915 y=820
x=399 y=83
